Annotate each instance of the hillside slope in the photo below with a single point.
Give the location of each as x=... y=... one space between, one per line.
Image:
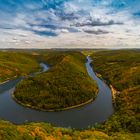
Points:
x=66 y=84
x=121 y=68
x=44 y=131
x=14 y=64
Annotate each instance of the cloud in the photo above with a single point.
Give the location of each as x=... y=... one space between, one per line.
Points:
x=98 y=22
x=96 y=32
x=51 y=20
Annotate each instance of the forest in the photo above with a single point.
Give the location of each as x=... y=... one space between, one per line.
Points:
x=45 y=131
x=14 y=64
x=121 y=68
x=66 y=84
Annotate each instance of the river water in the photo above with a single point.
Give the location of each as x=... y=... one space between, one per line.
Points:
x=82 y=117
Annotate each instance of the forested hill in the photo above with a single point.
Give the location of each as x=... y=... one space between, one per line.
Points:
x=66 y=84
x=121 y=68
x=14 y=64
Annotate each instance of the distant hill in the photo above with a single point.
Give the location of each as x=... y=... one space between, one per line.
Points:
x=14 y=64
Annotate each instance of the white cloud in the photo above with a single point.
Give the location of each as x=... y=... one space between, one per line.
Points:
x=81 y=23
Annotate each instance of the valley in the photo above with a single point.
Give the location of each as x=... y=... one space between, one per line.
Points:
x=65 y=89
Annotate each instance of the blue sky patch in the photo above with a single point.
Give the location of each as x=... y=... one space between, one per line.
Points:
x=69 y=17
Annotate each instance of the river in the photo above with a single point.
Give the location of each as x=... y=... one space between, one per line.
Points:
x=82 y=117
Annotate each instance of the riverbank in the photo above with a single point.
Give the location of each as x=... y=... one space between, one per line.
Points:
x=8 y=80
x=51 y=110
x=15 y=64
x=114 y=94
x=113 y=90
x=65 y=86
x=89 y=110
x=121 y=68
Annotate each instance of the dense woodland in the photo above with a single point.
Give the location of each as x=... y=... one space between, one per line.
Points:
x=121 y=68
x=15 y=64
x=44 y=131
x=66 y=84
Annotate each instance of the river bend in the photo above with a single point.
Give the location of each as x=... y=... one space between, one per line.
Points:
x=82 y=117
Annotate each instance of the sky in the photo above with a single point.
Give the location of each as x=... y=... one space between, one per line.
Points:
x=70 y=24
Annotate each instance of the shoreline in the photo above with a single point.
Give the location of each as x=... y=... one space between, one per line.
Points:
x=9 y=79
x=17 y=76
x=114 y=94
x=113 y=90
x=53 y=110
